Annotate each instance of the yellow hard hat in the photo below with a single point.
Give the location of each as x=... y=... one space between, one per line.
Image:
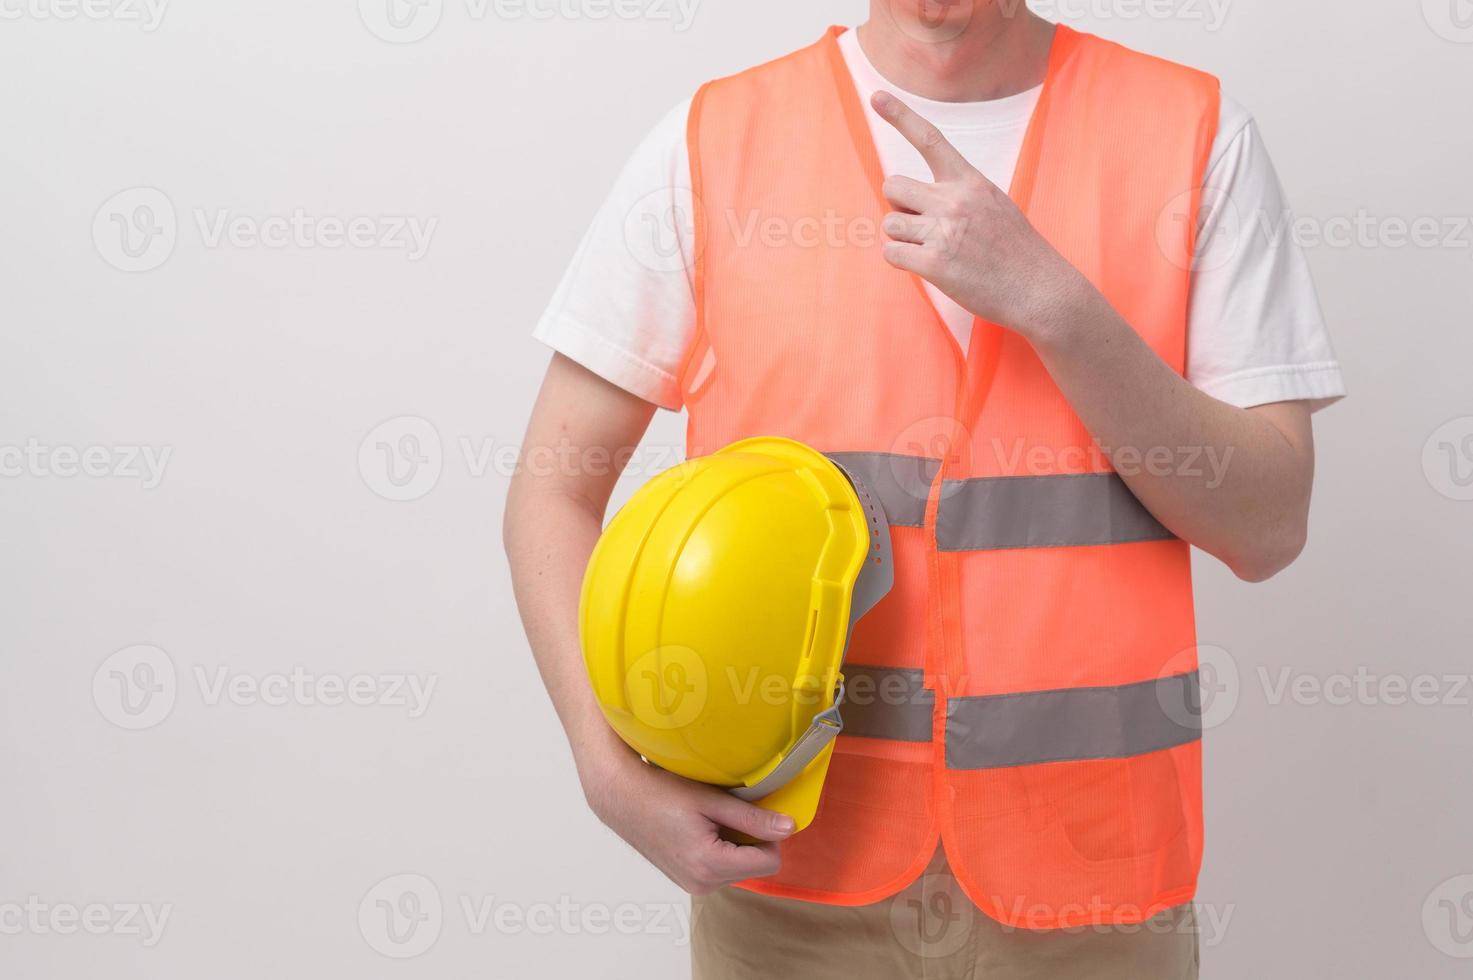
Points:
x=715 y=613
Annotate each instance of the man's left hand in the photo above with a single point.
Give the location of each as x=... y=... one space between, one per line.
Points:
x=965 y=236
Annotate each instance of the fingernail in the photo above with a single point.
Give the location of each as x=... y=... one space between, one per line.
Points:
x=783 y=824
x=882 y=100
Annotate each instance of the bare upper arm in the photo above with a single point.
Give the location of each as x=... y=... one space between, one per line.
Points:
x=580 y=436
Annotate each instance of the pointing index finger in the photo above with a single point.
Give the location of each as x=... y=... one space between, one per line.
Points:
x=945 y=160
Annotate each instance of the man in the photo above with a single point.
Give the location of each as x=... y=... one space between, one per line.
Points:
x=1057 y=388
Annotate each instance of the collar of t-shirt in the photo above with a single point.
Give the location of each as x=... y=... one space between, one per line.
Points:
x=989 y=134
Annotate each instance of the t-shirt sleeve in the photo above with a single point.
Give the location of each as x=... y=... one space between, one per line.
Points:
x=1255 y=333
x=625 y=308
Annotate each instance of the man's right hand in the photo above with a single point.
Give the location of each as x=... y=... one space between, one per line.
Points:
x=676 y=824
x=554 y=514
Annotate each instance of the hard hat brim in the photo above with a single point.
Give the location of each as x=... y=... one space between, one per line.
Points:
x=799 y=798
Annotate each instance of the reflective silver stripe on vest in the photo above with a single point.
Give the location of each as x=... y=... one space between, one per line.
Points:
x=995 y=513
x=1006 y=730
x=900 y=483
x=886 y=702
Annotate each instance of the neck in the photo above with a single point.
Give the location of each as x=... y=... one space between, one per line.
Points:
x=1000 y=49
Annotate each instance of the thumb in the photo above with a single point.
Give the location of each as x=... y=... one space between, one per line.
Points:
x=739 y=815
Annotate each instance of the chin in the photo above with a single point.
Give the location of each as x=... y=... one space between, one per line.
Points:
x=937 y=20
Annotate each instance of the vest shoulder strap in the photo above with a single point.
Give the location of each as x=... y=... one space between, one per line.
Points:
x=1131 y=82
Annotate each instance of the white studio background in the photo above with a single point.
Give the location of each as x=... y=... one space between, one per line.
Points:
x=265 y=705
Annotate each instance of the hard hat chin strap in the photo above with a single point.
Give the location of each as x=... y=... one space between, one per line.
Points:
x=824 y=728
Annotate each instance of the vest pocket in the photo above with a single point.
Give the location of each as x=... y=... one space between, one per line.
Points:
x=1141 y=819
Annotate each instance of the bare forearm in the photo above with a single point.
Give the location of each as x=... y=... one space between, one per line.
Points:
x=554 y=514
x=549 y=536
x=1234 y=482
x=965 y=236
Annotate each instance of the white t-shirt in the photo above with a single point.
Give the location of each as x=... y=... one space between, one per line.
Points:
x=625 y=308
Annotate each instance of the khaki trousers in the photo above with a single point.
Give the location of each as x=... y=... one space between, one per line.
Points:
x=928 y=930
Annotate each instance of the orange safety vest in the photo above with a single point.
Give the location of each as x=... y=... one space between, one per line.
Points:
x=1028 y=691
